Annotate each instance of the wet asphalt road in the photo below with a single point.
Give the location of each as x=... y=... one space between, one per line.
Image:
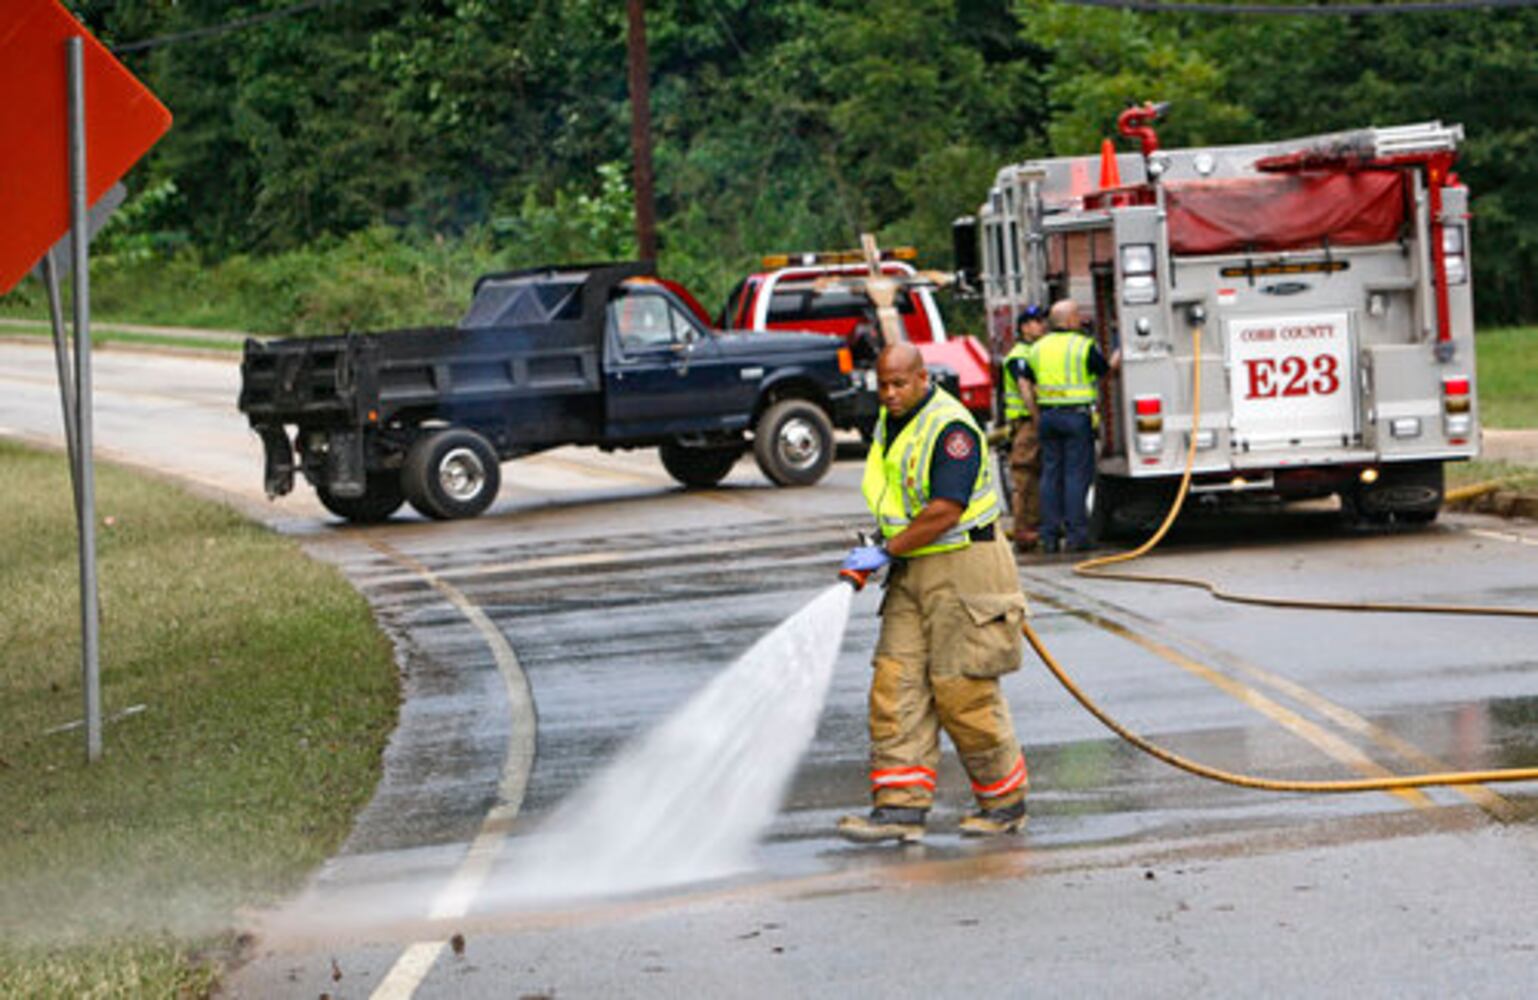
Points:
x=614 y=596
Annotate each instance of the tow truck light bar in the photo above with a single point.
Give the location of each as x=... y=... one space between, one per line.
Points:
x=1137 y=273
x=778 y=260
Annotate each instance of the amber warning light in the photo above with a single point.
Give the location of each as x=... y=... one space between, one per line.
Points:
x=776 y=260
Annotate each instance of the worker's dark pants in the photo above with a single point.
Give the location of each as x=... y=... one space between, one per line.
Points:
x=1067 y=467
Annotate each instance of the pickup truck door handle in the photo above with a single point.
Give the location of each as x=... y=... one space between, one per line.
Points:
x=684 y=352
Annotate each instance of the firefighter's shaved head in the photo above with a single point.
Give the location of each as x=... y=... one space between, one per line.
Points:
x=902 y=381
x=1065 y=315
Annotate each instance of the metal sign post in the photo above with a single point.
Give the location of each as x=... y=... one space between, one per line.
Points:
x=43 y=129
x=85 y=470
x=61 y=356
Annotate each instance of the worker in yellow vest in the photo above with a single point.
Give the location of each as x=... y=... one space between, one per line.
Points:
x=1021 y=419
x=1065 y=367
x=951 y=616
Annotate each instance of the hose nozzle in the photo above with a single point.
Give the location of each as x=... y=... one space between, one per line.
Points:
x=857 y=578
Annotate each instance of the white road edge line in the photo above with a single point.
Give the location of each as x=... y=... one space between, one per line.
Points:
x=1503 y=536
x=454 y=899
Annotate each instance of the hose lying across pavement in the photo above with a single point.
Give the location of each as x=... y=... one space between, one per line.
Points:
x=1095 y=568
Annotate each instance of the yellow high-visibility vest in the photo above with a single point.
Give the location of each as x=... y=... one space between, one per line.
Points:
x=896 y=483
x=1060 y=362
x=1014 y=399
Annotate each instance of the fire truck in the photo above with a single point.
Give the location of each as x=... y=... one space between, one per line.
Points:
x=816 y=292
x=1325 y=278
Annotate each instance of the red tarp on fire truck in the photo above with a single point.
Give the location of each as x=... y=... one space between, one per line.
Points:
x=1285 y=211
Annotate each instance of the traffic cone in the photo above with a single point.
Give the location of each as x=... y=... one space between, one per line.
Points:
x=1110 y=175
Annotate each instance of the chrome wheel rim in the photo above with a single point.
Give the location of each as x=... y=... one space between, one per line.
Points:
x=462 y=474
x=800 y=443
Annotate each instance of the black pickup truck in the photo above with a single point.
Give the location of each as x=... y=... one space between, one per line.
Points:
x=604 y=355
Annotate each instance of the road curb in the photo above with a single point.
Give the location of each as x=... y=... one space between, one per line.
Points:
x=126 y=347
x=1494 y=498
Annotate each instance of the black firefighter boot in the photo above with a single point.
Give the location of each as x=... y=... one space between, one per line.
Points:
x=992 y=822
x=884 y=823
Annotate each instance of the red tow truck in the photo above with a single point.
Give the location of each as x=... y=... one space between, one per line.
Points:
x=803 y=291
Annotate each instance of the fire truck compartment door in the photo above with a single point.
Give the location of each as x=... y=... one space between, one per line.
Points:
x=1293 y=380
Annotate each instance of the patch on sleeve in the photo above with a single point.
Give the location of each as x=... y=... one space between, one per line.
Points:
x=958 y=444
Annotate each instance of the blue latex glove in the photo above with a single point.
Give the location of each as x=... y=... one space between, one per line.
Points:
x=866 y=558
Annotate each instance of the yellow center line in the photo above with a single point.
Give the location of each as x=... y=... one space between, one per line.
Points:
x=1332 y=745
x=1481 y=795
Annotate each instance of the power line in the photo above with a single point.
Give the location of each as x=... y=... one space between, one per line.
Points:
x=219 y=29
x=1292 y=9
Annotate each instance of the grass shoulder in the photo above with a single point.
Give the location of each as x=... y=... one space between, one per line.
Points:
x=249 y=696
x=1508 y=376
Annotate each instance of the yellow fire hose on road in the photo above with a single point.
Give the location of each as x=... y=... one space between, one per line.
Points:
x=1095 y=568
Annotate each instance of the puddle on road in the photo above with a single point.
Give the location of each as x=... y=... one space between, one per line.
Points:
x=1103 y=792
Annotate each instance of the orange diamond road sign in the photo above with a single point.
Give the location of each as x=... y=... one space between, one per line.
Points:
x=122 y=118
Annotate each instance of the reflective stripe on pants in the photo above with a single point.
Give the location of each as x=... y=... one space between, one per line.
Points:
x=910 y=702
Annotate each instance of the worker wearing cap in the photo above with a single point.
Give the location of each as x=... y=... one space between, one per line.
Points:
x=1021 y=418
x=951 y=616
x=1065 y=367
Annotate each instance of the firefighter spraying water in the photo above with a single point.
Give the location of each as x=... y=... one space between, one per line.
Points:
x=951 y=616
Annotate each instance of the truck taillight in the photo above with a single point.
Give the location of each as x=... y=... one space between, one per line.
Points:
x=1138 y=283
x=1457 y=418
x=1454 y=259
x=1149 y=411
x=845 y=361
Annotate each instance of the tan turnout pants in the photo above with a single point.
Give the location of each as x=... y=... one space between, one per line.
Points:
x=1025 y=473
x=950 y=626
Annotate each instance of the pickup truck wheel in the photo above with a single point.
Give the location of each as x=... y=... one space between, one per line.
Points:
x=793 y=443
x=382 y=497
x=451 y=474
x=699 y=468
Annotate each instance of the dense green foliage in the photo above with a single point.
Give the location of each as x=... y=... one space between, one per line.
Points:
x=779 y=124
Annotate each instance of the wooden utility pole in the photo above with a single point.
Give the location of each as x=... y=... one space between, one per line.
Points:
x=641 y=134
